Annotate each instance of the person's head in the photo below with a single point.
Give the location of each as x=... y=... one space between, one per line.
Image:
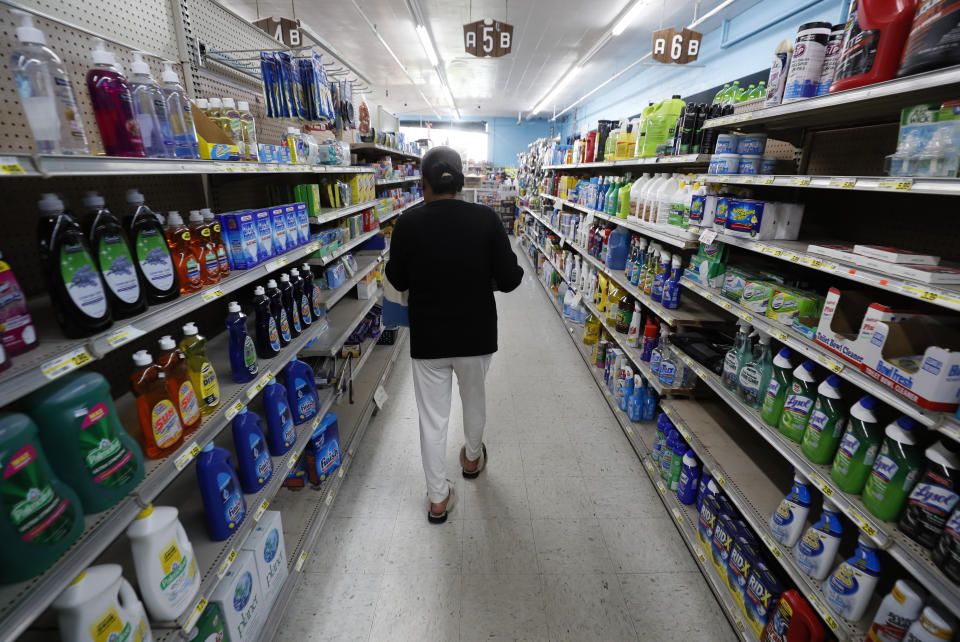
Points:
x=442 y=173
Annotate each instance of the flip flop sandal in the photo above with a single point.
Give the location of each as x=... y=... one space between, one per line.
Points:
x=480 y=464
x=434 y=518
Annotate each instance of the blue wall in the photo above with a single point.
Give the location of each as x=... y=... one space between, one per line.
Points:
x=505 y=139
x=628 y=94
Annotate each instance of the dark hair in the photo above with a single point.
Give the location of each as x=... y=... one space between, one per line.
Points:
x=443 y=170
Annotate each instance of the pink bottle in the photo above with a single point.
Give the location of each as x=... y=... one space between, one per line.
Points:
x=18 y=334
x=113 y=106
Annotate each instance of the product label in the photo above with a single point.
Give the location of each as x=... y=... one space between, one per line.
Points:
x=38 y=514
x=316 y=302
x=772 y=389
x=306 y=399
x=730 y=369
x=187 y=399
x=250 y=355
x=211 y=262
x=193 y=270
x=209 y=386
x=272 y=335
x=233 y=504
x=109 y=627
x=284 y=326
x=261 y=458
x=295 y=317
x=668 y=372
x=796 y=410
x=166 y=424
x=82 y=280
x=305 y=310
x=935 y=499
x=153 y=256
x=179 y=573
x=117 y=268
x=750 y=385
x=287 y=429
x=222 y=260
x=110 y=464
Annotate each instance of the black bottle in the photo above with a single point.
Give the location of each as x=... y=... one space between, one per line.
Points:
x=290 y=305
x=278 y=312
x=111 y=253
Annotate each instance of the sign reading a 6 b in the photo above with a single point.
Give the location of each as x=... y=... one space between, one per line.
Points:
x=488 y=38
x=679 y=47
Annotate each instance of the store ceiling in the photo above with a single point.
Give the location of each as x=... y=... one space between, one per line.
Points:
x=550 y=36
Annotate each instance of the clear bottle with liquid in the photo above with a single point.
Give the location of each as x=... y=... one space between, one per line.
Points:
x=201 y=244
x=755 y=375
x=180 y=112
x=233 y=120
x=184 y=260
x=112 y=102
x=151 y=110
x=250 y=130
x=732 y=359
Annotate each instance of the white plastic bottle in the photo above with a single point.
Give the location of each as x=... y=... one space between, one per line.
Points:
x=850 y=587
x=665 y=198
x=180 y=113
x=101 y=600
x=898 y=610
x=650 y=196
x=817 y=549
x=636 y=191
x=151 y=110
x=164 y=561
x=46 y=93
x=787 y=522
x=931 y=627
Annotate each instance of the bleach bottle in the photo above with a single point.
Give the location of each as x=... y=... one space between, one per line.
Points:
x=301 y=390
x=851 y=585
x=243 y=354
x=689 y=476
x=223 y=502
x=786 y=523
x=281 y=434
x=817 y=548
x=101 y=600
x=776 y=393
x=799 y=402
x=823 y=431
x=253 y=458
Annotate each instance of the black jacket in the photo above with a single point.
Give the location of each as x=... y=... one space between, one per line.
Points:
x=451 y=255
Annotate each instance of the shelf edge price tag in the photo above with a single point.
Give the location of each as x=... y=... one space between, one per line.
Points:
x=824 y=487
x=300 y=561
x=122 y=335
x=703 y=560
x=896 y=184
x=293 y=460
x=233 y=410
x=186 y=457
x=260 y=510
x=210 y=295
x=263 y=381
x=830 y=364
x=800 y=180
x=649 y=466
x=862 y=523
x=226 y=564
x=661 y=488
x=926 y=295
x=66 y=363
x=10 y=166
x=677 y=515
x=329 y=498
x=765 y=180
x=844 y=183
x=197 y=612
x=773 y=547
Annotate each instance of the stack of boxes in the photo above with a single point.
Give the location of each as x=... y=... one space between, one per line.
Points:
x=255 y=236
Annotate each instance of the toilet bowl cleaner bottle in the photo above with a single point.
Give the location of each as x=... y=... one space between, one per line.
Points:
x=817 y=549
x=184 y=260
x=931 y=627
x=281 y=433
x=101 y=600
x=253 y=458
x=301 y=391
x=80 y=303
x=788 y=521
x=154 y=262
x=898 y=610
x=111 y=251
x=876 y=31
x=243 y=354
x=267 y=333
x=279 y=312
x=895 y=470
x=301 y=299
x=858 y=448
x=223 y=503
x=776 y=393
x=203 y=249
x=851 y=585
x=151 y=110
x=935 y=496
x=112 y=102
x=822 y=435
x=159 y=419
x=201 y=371
x=799 y=402
x=173 y=363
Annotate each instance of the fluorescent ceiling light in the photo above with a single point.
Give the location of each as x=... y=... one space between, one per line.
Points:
x=628 y=17
x=427 y=45
x=570 y=75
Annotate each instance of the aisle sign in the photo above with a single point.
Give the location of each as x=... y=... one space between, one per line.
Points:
x=488 y=38
x=671 y=46
x=285 y=30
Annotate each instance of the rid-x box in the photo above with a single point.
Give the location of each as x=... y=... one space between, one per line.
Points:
x=324 y=449
x=242 y=238
x=294 y=238
x=264 y=235
x=270 y=555
x=279 y=231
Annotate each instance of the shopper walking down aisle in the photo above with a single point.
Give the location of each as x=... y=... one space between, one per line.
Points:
x=450 y=256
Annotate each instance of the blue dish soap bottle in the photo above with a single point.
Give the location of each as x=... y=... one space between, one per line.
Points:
x=243 y=354
x=223 y=502
x=649 y=404
x=301 y=390
x=281 y=434
x=253 y=459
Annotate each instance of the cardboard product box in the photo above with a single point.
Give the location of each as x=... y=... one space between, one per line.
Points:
x=215 y=144
x=265 y=153
x=303 y=221
x=266 y=545
x=309 y=193
x=896 y=255
x=336 y=275
x=942 y=274
x=708 y=265
x=209 y=626
x=280 y=245
x=787 y=303
x=241 y=238
x=842 y=252
x=264 y=235
x=757 y=294
x=324 y=448
x=807 y=326
x=367 y=286
x=762 y=220
x=240 y=599
x=294 y=238
x=734 y=280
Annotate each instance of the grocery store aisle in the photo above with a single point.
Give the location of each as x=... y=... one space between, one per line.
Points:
x=562 y=538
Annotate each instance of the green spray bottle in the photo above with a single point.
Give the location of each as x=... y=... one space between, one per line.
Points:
x=895 y=472
x=858 y=448
x=776 y=393
x=755 y=376
x=823 y=431
x=799 y=402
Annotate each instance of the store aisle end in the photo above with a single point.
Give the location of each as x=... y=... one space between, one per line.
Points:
x=562 y=537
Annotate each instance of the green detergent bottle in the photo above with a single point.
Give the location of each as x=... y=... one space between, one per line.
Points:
x=776 y=393
x=799 y=402
x=823 y=431
x=41 y=516
x=623 y=207
x=858 y=448
x=84 y=439
x=895 y=472
x=664 y=117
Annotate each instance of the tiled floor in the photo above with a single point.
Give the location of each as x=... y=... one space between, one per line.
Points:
x=562 y=538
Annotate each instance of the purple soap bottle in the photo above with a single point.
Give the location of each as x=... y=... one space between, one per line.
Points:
x=113 y=106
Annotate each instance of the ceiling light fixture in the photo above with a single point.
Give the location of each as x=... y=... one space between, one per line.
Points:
x=628 y=17
x=570 y=75
x=427 y=45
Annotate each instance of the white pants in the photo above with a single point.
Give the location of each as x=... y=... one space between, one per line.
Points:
x=432 y=380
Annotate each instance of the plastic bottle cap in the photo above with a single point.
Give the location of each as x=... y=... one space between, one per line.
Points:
x=139 y=66
x=906 y=423
x=295 y=272
x=174 y=218
x=134 y=196
x=807 y=365
x=243 y=105
x=196 y=216
x=50 y=203
x=190 y=329
x=206 y=212
x=257 y=291
x=271 y=283
x=27 y=32
x=207 y=448
x=228 y=103
x=233 y=306
x=168 y=74
x=285 y=278
x=146 y=512
x=868 y=402
x=101 y=56
x=167 y=342
x=833 y=381
x=92 y=199
x=215 y=103
x=785 y=353
x=142 y=358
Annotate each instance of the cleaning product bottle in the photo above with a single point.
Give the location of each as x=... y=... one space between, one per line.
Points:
x=649 y=341
x=243 y=354
x=165 y=564
x=201 y=371
x=776 y=392
x=623 y=199
x=154 y=262
x=46 y=92
x=817 y=548
x=671 y=285
x=313 y=290
x=279 y=312
x=792 y=620
x=635 y=405
x=301 y=390
x=85 y=440
x=927 y=47
x=663 y=273
x=216 y=240
x=895 y=471
x=223 y=503
x=633 y=333
x=822 y=435
x=151 y=110
x=232 y=116
x=249 y=131
x=253 y=458
x=665 y=199
x=300 y=298
x=101 y=605
x=184 y=260
x=624 y=313
x=290 y=305
x=935 y=496
x=931 y=627
x=19 y=335
x=159 y=419
x=851 y=585
x=671 y=370
x=799 y=402
x=659 y=352
x=756 y=374
x=109 y=246
x=268 y=337
x=858 y=448
x=80 y=302
x=281 y=434
x=173 y=363
x=898 y=610
x=787 y=522
x=201 y=244
x=112 y=103
x=680 y=450
x=186 y=144
x=666 y=453
x=777 y=80
x=689 y=477
x=731 y=360
x=875 y=35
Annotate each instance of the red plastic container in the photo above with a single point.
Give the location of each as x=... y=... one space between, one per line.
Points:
x=793 y=620
x=875 y=34
x=590 y=146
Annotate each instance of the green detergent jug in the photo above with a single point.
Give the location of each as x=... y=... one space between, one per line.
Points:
x=84 y=439
x=823 y=431
x=896 y=470
x=41 y=516
x=799 y=402
x=858 y=448
x=663 y=118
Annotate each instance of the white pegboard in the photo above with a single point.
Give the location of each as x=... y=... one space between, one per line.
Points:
x=219 y=29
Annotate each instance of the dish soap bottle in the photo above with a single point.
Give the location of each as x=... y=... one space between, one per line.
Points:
x=858 y=448
x=223 y=502
x=731 y=361
x=216 y=239
x=173 y=363
x=101 y=600
x=316 y=296
x=243 y=354
x=851 y=585
x=268 y=337
x=279 y=312
x=755 y=376
x=184 y=260
x=201 y=371
x=111 y=250
x=799 y=402
x=776 y=393
x=290 y=306
x=281 y=434
x=18 y=334
x=112 y=104
x=159 y=420
x=823 y=431
x=301 y=390
x=300 y=298
x=181 y=114
x=151 y=110
x=203 y=249
x=154 y=263
x=253 y=459
x=164 y=561
x=787 y=522
x=85 y=440
x=817 y=548
x=895 y=470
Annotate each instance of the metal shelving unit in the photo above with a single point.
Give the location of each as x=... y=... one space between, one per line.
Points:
x=371 y=148
x=383 y=182
x=366 y=263
x=334 y=214
x=343 y=249
x=400 y=210
x=342 y=319
x=888 y=184
x=684 y=160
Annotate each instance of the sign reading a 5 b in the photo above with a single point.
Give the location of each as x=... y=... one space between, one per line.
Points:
x=679 y=47
x=488 y=38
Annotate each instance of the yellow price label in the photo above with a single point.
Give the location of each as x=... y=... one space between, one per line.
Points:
x=919 y=293
x=260 y=510
x=740 y=624
x=661 y=488
x=300 y=561
x=292 y=460
x=772 y=546
x=843 y=183
x=703 y=560
x=780 y=335
x=210 y=295
x=261 y=383
x=66 y=362
x=800 y=180
x=329 y=498
x=720 y=479
x=10 y=166
x=649 y=466
x=197 y=611
x=341 y=471
x=822 y=484
x=830 y=364
x=896 y=184
x=233 y=410
x=677 y=515
x=765 y=180
x=861 y=522
x=186 y=457
x=122 y=335
x=226 y=564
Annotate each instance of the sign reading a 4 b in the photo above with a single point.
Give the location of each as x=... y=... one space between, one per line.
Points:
x=671 y=46
x=488 y=38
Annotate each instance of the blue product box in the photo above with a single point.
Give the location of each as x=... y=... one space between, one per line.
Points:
x=324 y=445
x=303 y=220
x=242 y=238
x=294 y=236
x=264 y=234
x=264 y=153
x=283 y=155
x=280 y=242
x=336 y=275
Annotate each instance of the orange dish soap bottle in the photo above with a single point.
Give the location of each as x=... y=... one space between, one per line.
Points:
x=203 y=248
x=185 y=262
x=159 y=420
x=173 y=364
